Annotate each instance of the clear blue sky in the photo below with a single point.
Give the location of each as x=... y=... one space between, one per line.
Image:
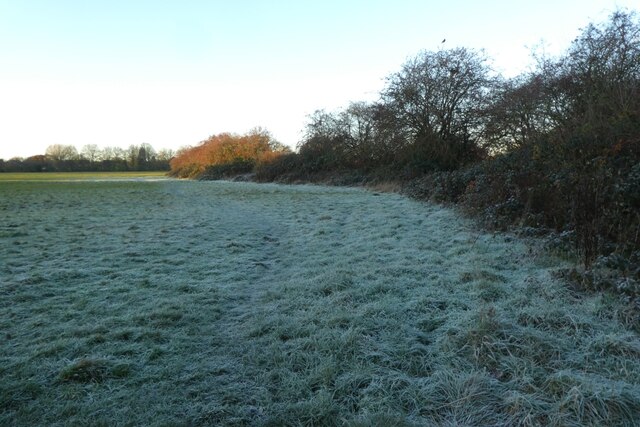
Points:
x=171 y=73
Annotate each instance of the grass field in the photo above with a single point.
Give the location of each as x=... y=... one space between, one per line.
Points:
x=211 y=303
x=78 y=176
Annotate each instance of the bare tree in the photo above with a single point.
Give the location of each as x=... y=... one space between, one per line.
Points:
x=593 y=87
x=437 y=96
x=521 y=110
x=146 y=153
x=90 y=152
x=601 y=72
x=119 y=153
x=131 y=155
x=60 y=152
x=165 y=154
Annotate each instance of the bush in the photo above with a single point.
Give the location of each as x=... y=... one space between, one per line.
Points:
x=223 y=149
x=281 y=168
x=227 y=170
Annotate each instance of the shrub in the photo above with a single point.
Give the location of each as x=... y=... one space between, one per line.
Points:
x=280 y=168
x=223 y=149
x=227 y=170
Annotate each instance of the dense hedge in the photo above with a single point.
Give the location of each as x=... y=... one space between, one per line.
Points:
x=556 y=149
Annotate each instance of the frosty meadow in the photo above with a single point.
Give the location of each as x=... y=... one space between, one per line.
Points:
x=210 y=303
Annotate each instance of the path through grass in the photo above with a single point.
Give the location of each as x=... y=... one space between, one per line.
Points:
x=207 y=303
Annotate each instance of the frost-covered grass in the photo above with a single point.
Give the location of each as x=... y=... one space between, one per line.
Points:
x=209 y=303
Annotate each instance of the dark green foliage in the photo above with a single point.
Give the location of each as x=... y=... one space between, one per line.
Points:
x=228 y=170
x=189 y=171
x=281 y=168
x=596 y=198
x=442 y=187
x=323 y=153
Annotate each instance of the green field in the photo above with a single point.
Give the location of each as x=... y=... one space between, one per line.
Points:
x=77 y=176
x=169 y=302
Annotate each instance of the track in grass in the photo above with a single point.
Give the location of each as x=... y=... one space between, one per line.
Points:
x=211 y=303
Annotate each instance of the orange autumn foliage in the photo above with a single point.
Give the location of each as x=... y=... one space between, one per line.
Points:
x=225 y=148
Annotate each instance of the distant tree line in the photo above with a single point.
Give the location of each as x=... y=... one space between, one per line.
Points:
x=91 y=158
